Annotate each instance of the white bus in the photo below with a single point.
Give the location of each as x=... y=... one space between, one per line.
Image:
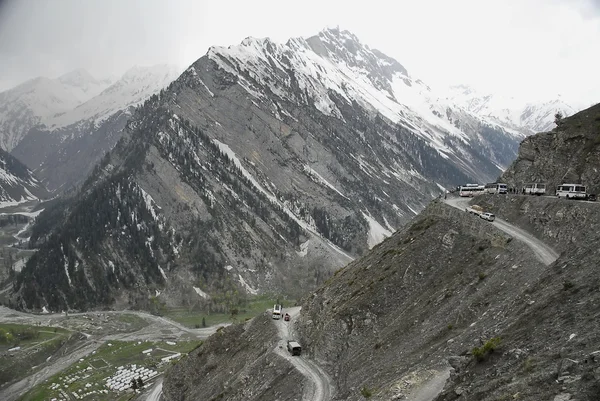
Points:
x=571 y=191
x=277 y=312
x=535 y=188
x=496 y=188
x=471 y=190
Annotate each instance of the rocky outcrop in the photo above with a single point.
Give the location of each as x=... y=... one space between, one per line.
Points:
x=568 y=154
x=238 y=363
x=564 y=224
x=17 y=183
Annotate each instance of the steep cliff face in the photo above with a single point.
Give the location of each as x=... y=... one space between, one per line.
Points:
x=451 y=294
x=238 y=363
x=568 y=154
x=432 y=291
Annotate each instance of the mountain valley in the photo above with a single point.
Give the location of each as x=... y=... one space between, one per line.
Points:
x=314 y=174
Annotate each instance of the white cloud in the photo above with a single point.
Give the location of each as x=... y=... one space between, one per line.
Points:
x=533 y=48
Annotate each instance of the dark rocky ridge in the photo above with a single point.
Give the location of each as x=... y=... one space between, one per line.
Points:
x=65 y=157
x=568 y=154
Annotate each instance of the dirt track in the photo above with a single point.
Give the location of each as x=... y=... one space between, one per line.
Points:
x=542 y=251
x=321 y=387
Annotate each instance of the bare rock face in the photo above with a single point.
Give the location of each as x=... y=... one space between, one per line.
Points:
x=568 y=154
x=237 y=363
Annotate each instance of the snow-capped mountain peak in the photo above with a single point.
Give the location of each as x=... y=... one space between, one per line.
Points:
x=83 y=85
x=135 y=86
x=335 y=63
x=512 y=111
x=30 y=103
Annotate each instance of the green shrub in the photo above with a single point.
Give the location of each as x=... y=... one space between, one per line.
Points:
x=528 y=365
x=366 y=392
x=480 y=353
x=482 y=276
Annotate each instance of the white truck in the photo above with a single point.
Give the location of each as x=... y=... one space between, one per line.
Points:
x=475 y=209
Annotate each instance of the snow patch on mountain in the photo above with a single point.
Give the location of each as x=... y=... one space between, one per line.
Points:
x=246 y=286
x=319 y=179
x=201 y=293
x=377 y=232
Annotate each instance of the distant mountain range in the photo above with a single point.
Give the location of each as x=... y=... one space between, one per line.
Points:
x=61 y=128
x=524 y=116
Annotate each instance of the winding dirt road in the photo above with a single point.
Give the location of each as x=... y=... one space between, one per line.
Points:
x=320 y=386
x=542 y=251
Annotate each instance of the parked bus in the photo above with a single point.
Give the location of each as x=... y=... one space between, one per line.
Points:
x=496 y=188
x=277 y=312
x=471 y=190
x=535 y=188
x=571 y=191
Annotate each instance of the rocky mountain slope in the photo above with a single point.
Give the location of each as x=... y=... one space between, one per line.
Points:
x=65 y=148
x=256 y=373
x=30 y=103
x=525 y=116
x=447 y=293
x=17 y=183
x=261 y=161
x=568 y=154
x=450 y=293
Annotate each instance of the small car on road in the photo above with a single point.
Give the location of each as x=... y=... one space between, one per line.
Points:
x=487 y=216
x=286 y=317
x=592 y=197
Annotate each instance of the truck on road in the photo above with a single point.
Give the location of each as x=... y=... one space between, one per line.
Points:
x=294 y=348
x=475 y=209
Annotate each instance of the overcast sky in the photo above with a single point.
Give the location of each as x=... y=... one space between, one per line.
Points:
x=533 y=48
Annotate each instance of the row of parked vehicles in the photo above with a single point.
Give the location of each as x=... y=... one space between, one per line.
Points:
x=567 y=191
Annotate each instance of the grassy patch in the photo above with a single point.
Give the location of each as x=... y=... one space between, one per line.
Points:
x=133 y=322
x=253 y=307
x=36 y=343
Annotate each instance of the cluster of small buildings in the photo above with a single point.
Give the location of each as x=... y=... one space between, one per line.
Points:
x=121 y=380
